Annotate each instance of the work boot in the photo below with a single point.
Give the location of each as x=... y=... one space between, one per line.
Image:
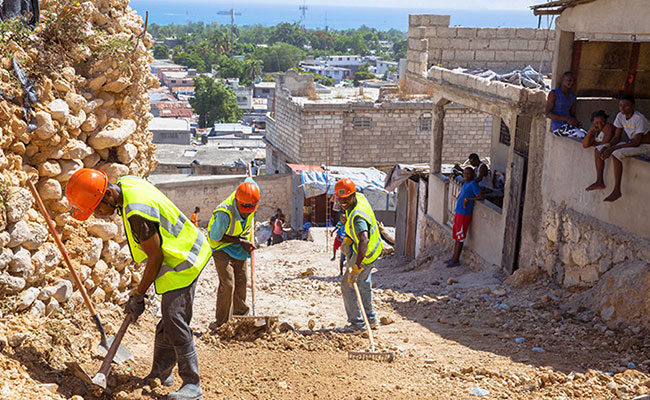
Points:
x=188 y=370
x=164 y=359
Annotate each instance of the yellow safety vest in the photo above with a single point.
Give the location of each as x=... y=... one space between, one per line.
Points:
x=235 y=227
x=185 y=250
x=364 y=210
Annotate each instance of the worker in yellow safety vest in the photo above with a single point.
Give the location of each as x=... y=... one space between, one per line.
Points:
x=231 y=239
x=365 y=246
x=175 y=252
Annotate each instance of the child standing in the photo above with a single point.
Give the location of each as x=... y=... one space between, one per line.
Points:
x=463 y=213
x=340 y=235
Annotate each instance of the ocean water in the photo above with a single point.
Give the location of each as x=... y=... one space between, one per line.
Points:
x=162 y=12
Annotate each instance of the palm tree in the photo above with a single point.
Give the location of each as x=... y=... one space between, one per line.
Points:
x=253 y=69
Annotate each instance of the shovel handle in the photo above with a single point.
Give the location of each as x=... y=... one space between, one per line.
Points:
x=106 y=364
x=61 y=247
x=365 y=317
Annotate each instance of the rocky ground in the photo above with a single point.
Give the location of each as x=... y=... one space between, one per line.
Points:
x=458 y=334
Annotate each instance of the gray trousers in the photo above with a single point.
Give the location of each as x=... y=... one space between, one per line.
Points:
x=174 y=330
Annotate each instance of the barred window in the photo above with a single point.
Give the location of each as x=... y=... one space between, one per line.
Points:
x=504 y=134
x=425 y=123
x=361 y=122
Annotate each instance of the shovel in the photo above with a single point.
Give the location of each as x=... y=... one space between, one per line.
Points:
x=100 y=378
x=257 y=320
x=123 y=353
x=385 y=356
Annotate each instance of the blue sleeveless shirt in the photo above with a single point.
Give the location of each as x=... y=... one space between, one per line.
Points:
x=562 y=107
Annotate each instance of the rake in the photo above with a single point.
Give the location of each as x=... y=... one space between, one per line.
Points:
x=372 y=355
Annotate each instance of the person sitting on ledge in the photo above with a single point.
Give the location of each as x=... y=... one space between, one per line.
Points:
x=600 y=133
x=637 y=130
x=561 y=109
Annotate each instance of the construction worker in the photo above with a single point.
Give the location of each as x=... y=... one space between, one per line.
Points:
x=231 y=240
x=365 y=244
x=175 y=252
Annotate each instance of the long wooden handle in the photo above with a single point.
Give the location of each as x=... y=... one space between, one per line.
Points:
x=61 y=247
x=253 y=281
x=106 y=364
x=365 y=317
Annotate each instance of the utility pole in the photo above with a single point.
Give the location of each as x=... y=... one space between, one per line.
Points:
x=232 y=14
x=303 y=8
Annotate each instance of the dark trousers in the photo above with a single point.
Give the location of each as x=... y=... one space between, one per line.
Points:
x=173 y=330
x=231 y=295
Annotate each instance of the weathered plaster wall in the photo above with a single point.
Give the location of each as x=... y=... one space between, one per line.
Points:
x=569 y=169
x=500 y=49
x=631 y=17
x=208 y=193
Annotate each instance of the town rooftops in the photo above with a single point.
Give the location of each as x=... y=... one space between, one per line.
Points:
x=176 y=74
x=169 y=124
x=165 y=64
x=205 y=155
x=178 y=109
x=228 y=128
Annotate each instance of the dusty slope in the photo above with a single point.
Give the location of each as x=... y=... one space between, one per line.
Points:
x=451 y=337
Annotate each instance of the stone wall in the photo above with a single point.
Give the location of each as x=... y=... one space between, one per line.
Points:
x=93 y=112
x=499 y=49
x=436 y=237
x=466 y=131
x=576 y=249
x=208 y=193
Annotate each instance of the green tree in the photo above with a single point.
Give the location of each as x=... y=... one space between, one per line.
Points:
x=253 y=69
x=288 y=33
x=279 y=57
x=190 y=60
x=230 y=67
x=399 y=49
x=214 y=102
x=160 y=51
x=363 y=74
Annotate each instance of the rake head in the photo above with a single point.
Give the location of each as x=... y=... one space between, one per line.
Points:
x=386 y=356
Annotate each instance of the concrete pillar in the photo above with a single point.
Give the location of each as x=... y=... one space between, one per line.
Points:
x=562 y=54
x=438 y=120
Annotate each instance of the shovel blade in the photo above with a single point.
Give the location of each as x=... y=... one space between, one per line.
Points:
x=100 y=380
x=79 y=372
x=122 y=354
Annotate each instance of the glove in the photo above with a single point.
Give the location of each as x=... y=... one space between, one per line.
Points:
x=353 y=274
x=135 y=305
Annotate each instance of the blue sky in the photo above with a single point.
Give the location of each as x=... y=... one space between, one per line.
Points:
x=446 y=4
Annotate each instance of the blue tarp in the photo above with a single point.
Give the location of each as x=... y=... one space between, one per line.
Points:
x=369 y=181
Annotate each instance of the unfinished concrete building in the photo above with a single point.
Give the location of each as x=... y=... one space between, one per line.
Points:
x=547 y=221
x=360 y=128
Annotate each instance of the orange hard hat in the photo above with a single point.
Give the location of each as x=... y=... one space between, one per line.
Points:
x=344 y=188
x=85 y=191
x=248 y=197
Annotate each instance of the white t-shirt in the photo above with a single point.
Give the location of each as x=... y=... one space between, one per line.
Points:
x=637 y=124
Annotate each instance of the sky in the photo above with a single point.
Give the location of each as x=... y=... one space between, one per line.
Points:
x=446 y=4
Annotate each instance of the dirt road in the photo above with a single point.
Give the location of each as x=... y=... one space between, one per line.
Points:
x=459 y=334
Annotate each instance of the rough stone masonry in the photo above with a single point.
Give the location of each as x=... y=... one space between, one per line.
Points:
x=91 y=68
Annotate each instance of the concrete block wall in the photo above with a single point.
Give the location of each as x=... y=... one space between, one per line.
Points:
x=499 y=49
x=208 y=193
x=466 y=131
x=283 y=130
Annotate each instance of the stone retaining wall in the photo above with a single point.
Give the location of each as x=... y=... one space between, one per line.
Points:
x=93 y=112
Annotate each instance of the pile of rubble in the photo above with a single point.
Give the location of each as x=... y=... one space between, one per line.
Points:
x=88 y=64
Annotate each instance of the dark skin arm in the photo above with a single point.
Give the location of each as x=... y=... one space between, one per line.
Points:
x=590 y=138
x=615 y=144
x=550 y=104
x=152 y=247
x=362 y=248
x=477 y=197
x=482 y=172
x=246 y=244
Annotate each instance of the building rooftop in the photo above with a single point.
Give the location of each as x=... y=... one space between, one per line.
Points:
x=178 y=109
x=231 y=128
x=165 y=63
x=176 y=74
x=173 y=178
x=205 y=155
x=265 y=85
x=169 y=124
